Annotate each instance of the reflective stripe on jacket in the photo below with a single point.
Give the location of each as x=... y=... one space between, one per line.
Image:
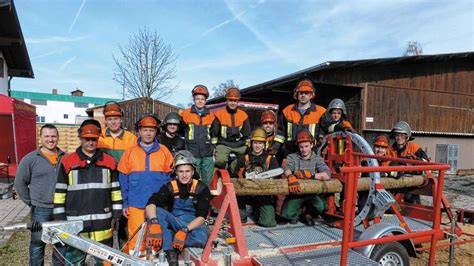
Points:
x=197 y=135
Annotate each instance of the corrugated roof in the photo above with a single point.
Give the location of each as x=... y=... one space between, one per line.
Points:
x=333 y=65
x=59 y=97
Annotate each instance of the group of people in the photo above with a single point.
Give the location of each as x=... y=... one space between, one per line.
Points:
x=115 y=179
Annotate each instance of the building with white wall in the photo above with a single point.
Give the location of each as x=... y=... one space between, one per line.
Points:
x=60 y=108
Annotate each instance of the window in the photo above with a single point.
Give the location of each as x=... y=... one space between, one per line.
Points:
x=81 y=105
x=66 y=116
x=39 y=102
x=40 y=119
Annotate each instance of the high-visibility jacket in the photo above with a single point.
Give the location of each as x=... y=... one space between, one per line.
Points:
x=87 y=189
x=197 y=131
x=142 y=173
x=231 y=128
x=410 y=149
x=116 y=146
x=291 y=122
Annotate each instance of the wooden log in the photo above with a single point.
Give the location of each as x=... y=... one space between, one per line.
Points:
x=256 y=187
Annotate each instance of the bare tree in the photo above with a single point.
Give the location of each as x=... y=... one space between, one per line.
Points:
x=221 y=89
x=146 y=66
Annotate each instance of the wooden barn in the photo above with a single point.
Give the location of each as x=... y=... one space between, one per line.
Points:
x=133 y=109
x=433 y=93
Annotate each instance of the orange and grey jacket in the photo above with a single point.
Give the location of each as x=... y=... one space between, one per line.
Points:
x=250 y=162
x=116 y=146
x=291 y=122
x=230 y=128
x=197 y=131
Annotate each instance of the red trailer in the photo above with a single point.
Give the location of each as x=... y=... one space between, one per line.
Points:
x=18 y=133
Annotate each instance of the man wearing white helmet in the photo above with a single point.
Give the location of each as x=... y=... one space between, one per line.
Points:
x=176 y=213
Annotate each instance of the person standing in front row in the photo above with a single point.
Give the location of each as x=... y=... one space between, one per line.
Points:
x=35 y=182
x=143 y=169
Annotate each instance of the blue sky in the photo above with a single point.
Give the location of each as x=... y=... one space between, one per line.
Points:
x=71 y=43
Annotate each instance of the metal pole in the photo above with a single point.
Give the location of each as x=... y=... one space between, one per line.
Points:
x=452 y=240
x=437 y=217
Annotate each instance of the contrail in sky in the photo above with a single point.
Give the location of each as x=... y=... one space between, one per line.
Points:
x=77 y=16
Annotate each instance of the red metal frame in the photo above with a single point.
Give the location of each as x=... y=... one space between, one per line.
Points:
x=226 y=202
x=350 y=173
x=345 y=166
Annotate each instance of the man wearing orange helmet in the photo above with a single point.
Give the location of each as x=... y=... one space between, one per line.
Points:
x=197 y=123
x=305 y=164
x=114 y=140
x=301 y=115
x=230 y=129
x=87 y=189
x=274 y=142
x=144 y=168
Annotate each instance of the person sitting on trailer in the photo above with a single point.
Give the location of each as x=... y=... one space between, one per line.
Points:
x=257 y=160
x=274 y=142
x=405 y=147
x=176 y=213
x=334 y=119
x=170 y=135
x=87 y=189
x=305 y=164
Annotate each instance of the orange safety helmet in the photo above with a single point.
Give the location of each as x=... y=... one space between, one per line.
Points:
x=201 y=89
x=147 y=120
x=304 y=85
x=268 y=116
x=112 y=109
x=233 y=93
x=90 y=128
x=382 y=141
x=304 y=136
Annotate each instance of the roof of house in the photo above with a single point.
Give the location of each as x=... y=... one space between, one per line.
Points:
x=12 y=43
x=59 y=97
x=336 y=65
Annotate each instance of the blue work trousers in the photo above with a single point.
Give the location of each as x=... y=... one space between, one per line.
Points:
x=170 y=224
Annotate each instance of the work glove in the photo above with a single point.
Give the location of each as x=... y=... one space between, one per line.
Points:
x=304 y=174
x=178 y=240
x=155 y=235
x=293 y=185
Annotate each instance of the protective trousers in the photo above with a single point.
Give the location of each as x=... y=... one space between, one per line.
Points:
x=293 y=203
x=263 y=207
x=171 y=222
x=223 y=152
x=205 y=169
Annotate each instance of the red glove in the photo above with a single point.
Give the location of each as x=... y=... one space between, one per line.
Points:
x=155 y=236
x=304 y=174
x=293 y=185
x=179 y=238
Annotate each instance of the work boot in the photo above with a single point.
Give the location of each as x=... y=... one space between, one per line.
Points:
x=294 y=221
x=172 y=257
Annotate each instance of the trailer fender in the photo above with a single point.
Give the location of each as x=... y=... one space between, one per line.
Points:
x=383 y=229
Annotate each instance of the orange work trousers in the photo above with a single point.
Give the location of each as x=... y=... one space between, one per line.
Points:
x=135 y=219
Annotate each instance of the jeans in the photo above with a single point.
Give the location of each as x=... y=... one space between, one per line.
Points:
x=39 y=214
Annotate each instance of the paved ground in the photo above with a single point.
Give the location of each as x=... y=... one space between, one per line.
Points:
x=11 y=211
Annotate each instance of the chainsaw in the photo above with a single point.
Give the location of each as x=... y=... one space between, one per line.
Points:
x=264 y=175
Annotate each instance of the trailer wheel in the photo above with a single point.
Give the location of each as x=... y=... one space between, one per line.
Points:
x=390 y=254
